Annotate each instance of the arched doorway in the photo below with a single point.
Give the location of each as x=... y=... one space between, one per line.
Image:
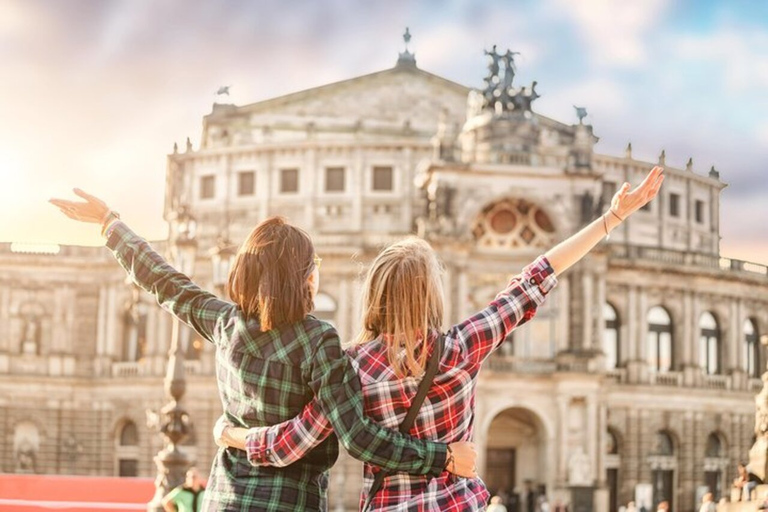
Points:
x=516 y=458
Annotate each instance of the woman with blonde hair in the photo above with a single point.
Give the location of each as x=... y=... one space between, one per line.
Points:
x=402 y=320
x=272 y=358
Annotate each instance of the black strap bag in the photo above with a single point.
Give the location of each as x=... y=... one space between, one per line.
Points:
x=405 y=426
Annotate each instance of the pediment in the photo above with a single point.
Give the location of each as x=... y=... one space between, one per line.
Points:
x=395 y=96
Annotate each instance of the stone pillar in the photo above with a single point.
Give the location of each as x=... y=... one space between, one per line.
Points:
x=593 y=436
x=599 y=316
x=586 y=309
x=687 y=458
x=562 y=441
x=310 y=175
x=630 y=460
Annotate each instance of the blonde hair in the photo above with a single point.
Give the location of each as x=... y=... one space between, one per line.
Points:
x=402 y=302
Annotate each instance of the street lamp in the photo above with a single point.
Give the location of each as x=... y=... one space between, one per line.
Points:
x=172 y=421
x=222 y=257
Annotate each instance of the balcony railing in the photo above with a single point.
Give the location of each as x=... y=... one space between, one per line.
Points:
x=520 y=365
x=717 y=382
x=127 y=369
x=672 y=379
x=674 y=257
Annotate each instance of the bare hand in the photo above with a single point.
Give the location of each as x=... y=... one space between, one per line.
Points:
x=92 y=210
x=464 y=459
x=625 y=203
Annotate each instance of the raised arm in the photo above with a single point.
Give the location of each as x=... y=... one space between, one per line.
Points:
x=519 y=301
x=624 y=203
x=173 y=290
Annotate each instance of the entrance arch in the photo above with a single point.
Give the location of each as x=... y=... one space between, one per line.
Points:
x=517 y=454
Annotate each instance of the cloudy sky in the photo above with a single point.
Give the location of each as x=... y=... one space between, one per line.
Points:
x=94 y=93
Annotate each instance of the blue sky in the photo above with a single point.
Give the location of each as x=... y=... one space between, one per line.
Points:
x=95 y=92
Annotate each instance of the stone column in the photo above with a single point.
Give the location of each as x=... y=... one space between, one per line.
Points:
x=599 y=316
x=586 y=309
x=111 y=323
x=562 y=441
x=593 y=435
x=602 y=432
x=309 y=175
x=357 y=188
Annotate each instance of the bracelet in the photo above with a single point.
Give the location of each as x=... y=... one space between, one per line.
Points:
x=615 y=214
x=449 y=461
x=605 y=225
x=108 y=221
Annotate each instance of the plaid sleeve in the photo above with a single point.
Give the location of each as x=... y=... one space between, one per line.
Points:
x=289 y=441
x=174 y=291
x=339 y=392
x=515 y=305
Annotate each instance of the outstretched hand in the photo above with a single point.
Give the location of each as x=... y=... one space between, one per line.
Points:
x=625 y=203
x=92 y=210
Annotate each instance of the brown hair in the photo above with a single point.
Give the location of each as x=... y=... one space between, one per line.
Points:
x=402 y=302
x=269 y=277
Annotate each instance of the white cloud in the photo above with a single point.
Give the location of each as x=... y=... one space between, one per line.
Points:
x=615 y=31
x=736 y=56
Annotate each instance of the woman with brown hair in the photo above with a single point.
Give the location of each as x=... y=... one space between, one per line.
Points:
x=401 y=325
x=272 y=358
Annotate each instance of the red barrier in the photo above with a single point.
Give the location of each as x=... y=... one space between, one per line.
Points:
x=73 y=493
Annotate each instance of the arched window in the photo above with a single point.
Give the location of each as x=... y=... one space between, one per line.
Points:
x=715 y=464
x=709 y=344
x=714 y=446
x=127 y=450
x=751 y=349
x=663 y=466
x=129 y=434
x=664 y=445
x=325 y=307
x=660 y=357
x=611 y=337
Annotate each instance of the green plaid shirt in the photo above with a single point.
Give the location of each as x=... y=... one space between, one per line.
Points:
x=268 y=377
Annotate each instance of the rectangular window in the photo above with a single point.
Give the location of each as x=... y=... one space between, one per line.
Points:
x=289 y=181
x=334 y=179
x=207 y=186
x=382 y=179
x=674 y=205
x=700 y=211
x=128 y=467
x=246 y=183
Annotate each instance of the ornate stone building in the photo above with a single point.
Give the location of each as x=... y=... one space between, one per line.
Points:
x=637 y=375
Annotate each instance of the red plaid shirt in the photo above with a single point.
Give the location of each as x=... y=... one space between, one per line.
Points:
x=447 y=413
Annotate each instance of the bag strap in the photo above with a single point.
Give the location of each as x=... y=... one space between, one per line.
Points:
x=413 y=411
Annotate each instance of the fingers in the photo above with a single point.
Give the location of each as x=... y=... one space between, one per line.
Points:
x=88 y=197
x=651 y=177
x=62 y=203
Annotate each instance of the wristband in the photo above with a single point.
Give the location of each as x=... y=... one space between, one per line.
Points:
x=615 y=214
x=108 y=221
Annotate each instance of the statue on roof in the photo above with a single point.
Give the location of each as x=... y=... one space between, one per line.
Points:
x=493 y=63
x=509 y=68
x=581 y=113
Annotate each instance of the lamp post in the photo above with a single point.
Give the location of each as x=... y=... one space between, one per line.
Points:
x=222 y=257
x=172 y=421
